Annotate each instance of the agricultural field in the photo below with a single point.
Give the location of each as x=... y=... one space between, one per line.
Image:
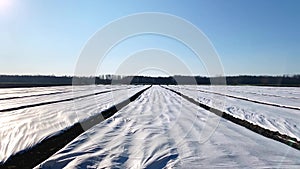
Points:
x=143 y=126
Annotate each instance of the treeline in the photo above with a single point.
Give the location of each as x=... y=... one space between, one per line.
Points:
x=38 y=81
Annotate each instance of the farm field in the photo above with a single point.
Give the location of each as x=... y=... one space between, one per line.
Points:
x=25 y=127
x=158 y=128
x=276 y=108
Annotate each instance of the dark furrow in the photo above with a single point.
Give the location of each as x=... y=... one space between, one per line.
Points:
x=36 y=95
x=275 y=135
x=250 y=100
x=57 y=101
x=45 y=94
x=35 y=155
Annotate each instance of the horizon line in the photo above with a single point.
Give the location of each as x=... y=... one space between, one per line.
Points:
x=154 y=76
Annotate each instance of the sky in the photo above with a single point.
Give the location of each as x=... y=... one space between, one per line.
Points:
x=251 y=37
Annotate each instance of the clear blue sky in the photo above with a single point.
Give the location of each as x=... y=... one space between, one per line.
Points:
x=252 y=37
